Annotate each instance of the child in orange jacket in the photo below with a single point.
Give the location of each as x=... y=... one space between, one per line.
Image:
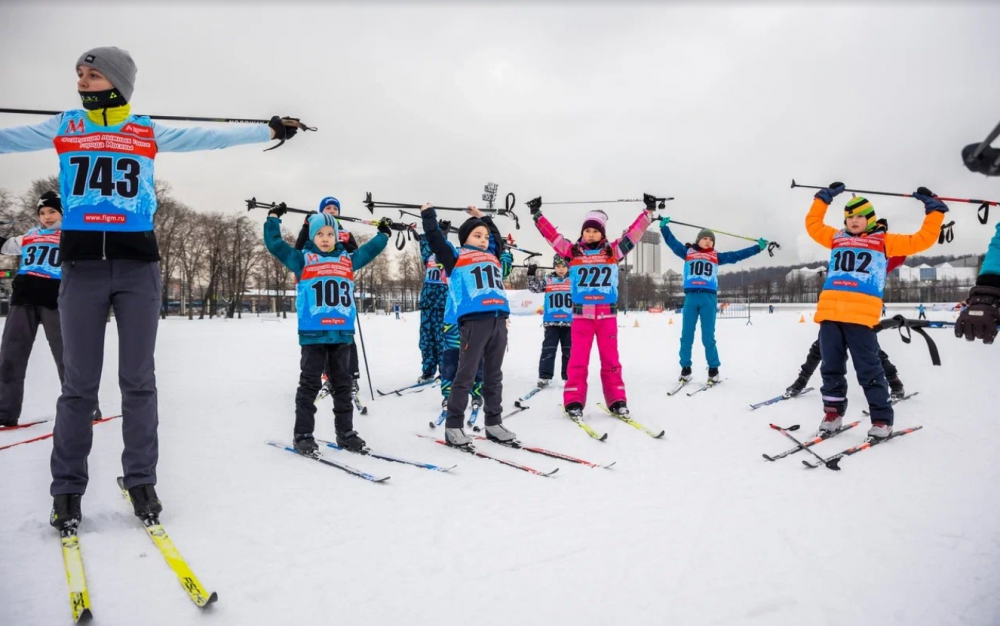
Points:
x=851 y=300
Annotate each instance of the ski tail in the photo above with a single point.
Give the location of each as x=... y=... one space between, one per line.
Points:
x=631 y=422
x=472 y=450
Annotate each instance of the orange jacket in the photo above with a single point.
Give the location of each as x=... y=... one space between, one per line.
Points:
x=860 y=308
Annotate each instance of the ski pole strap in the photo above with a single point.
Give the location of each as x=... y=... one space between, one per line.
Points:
x=983 y=213
x=509 y=210
x=947 y=234
x=772 y=246
x=903 y=324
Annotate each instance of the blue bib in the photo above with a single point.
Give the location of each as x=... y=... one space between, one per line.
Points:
x=701 y=270
x=106 y=173
x=40 y=254
x=857 y=264
x=325 y=298
x=475 y=286
x=594 y=278
x=558 y=300
x=434 y=272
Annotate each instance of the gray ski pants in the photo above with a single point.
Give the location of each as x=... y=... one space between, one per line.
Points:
x=89 y=290
x=18 y=339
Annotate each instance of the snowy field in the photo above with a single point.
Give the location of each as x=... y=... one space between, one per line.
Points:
x=695 y=528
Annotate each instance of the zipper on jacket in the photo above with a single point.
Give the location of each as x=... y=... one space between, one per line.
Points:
x=104 y=245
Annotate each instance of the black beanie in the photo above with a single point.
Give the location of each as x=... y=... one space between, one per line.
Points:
x=468 y=226
x=51 y=200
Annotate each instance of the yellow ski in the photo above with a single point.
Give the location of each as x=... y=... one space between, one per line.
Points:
x=79 y=597
x=631 y=422
x=188 y=580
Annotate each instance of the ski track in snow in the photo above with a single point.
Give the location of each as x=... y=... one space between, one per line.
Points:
x=692 y=529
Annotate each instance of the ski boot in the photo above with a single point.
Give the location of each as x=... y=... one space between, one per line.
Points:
x=500 y=434
x=619 y=409
x=879 y=430
x=713 y=375
x=305 y=444
x=896 y=391
x=574 y=410
x=543 y=383
x=65 y=516
x=351 y=442
x=796 y=388
x=832 y=420
x=685 y=376
x=456 y=438
x=425 y=378
x=145 y=503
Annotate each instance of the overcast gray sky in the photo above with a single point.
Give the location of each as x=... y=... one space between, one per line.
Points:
x=719 y=105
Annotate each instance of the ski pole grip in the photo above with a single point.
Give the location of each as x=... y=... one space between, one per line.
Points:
x=984 y=212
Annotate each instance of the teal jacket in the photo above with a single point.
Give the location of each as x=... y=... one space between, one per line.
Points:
x=990 y=273
x=294 y=260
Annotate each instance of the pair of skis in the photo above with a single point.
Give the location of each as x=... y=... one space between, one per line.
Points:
x=832 y=462
x=517 y=445
x=49 y=435
x=681 y=384
x=79 y=595
x=781 y=398
x=476 y=406
x=414 y=388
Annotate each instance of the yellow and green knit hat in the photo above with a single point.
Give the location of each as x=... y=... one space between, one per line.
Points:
x=860 y=206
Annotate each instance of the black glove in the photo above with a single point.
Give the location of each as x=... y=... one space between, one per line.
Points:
x=535 y=206
x=649 y=201
x=532 y=268
x=827 y=195
x=445 y=226
x=280 y=210
x=385 y=226
x=282 y=130
x=980 y=319
x=931 y=203
x=987 y=163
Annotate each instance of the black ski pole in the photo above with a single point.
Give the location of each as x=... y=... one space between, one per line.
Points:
x=771 y=245
x=983 y=212
x=785 y=432
x=662 y=201
x=977 y=159
x=187 y=118
x=364 y=354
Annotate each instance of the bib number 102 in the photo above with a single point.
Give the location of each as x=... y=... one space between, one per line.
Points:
x=100 y=173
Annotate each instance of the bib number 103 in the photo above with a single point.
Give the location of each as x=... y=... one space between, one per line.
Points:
x=332 y=293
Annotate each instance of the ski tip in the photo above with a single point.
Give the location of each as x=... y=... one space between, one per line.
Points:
x=550 y=473
x=476 y=429
x=660 y=436
x=609 y=465
x=364 y=411
x=603 y=437
x=85 y=616
x=432 y=424
x=809 y=465
x=767 y=458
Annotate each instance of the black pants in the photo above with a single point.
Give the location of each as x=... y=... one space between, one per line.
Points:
x=836 y=339
x=355 y=369
x=554 y=337
x=482 y=340
x=15 y=349
x=814 y=357
x=335 y=359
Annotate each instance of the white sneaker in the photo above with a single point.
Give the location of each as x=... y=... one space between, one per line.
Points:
x=880 y=430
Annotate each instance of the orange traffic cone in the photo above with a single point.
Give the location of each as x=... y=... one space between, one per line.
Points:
x=802 y=319
x=636 y=325
x=671 y=322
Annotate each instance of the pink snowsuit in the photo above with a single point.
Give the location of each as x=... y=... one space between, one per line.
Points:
x=590 y=320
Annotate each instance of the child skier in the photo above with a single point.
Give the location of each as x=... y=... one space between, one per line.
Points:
x=331 y=206
x=851 y=299
x=896 y=389
x=110 y=260
x=477 y=307
x=32 y=302
x=557 y=317
x=432 y=302
x=701 y=282
x=593 y=267
x=326 y=314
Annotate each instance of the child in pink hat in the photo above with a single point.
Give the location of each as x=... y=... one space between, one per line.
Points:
x=593 y=269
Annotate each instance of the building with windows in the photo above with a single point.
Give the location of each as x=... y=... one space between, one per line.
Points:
x=646 y=256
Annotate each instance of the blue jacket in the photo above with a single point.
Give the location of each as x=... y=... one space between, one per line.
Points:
x=293 y=259
x=447 y=255
x=990 y=273
x=725 y=258
x=431 y=296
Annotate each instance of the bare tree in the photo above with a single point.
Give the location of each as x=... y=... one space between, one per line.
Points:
x=244 y=250
x=213 y=231
x=191 y=255
x=169 y=220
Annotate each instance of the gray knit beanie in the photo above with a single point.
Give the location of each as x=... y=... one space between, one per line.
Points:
x=704 y=232
x=116 y=65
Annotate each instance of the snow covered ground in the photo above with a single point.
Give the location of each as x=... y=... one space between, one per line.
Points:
x=695 y=528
